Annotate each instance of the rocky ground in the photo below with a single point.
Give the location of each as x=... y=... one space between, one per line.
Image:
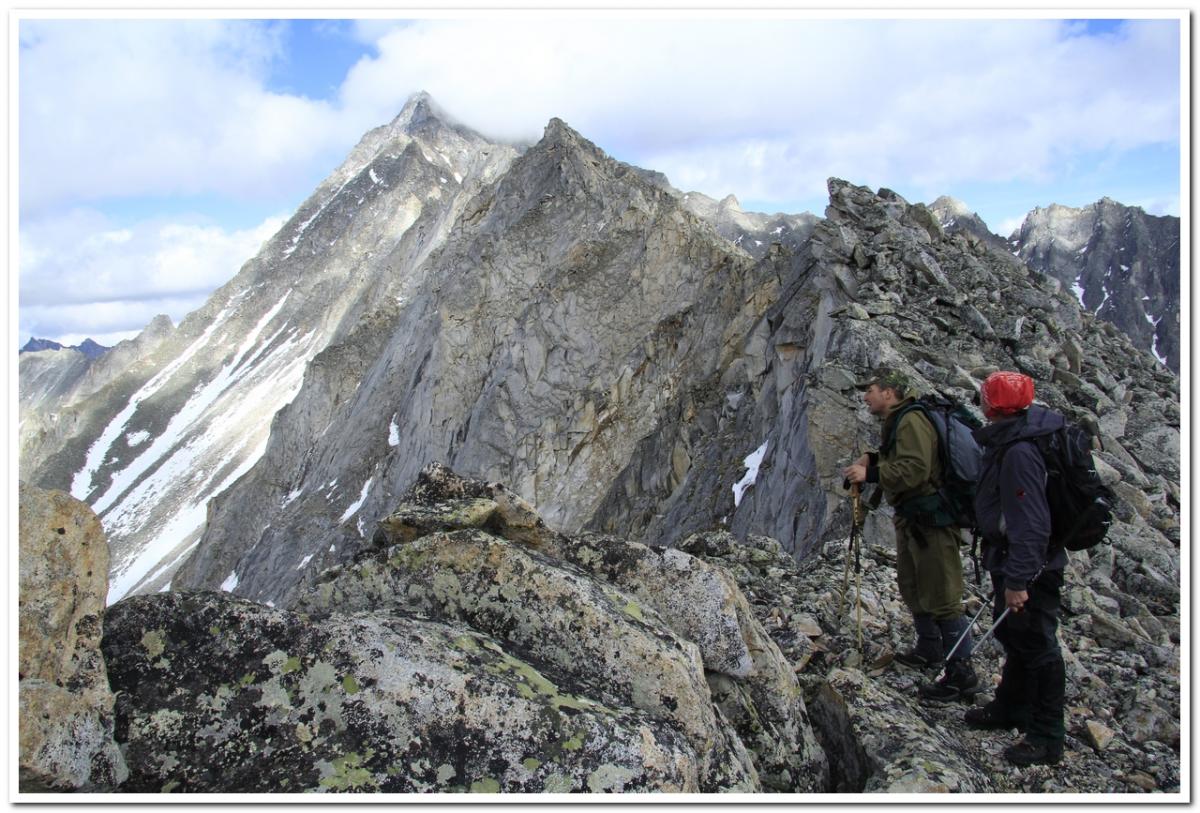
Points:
x=1122 y=695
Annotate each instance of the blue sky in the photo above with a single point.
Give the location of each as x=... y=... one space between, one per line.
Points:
x=156 y=156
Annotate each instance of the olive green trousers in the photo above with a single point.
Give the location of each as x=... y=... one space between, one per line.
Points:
x=929 y=569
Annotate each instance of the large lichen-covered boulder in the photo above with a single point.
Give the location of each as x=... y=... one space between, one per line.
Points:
x=750 y=681
x=65 y=703
x=602 y=641
x=221 y=694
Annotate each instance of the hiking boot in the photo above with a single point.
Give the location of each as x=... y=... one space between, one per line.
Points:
x=928 y=651
x=959 y=683
x=915 y=659
x=1028 y=752
x=991 y=717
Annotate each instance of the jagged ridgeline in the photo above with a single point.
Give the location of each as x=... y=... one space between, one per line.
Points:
x=515 y=468
x=610 y=348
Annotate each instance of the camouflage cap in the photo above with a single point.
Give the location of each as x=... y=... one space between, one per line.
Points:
x=891 y=378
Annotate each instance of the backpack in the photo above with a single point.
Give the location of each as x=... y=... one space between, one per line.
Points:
x=1079 y=502
x=961 y=460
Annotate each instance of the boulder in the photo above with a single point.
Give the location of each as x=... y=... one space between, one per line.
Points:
x=612 y=649
x=219 y=694
x=584 y=664
x=65 y=704
x=882 y=746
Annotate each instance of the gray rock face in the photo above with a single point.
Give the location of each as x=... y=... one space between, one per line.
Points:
x=465 y=656
x=1121 y=263
x=65 y=703
x=545 y=342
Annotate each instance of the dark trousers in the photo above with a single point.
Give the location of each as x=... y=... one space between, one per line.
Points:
x=1032 y=688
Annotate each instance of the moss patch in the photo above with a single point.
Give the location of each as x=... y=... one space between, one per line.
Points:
x=155 y=642
x=348 y=773
x=487 y=785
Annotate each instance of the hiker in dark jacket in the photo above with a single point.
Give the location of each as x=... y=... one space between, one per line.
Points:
x=928 y=563
x=1027 y=572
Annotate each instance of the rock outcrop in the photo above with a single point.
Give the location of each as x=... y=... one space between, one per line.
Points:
x=65 y=704
x=470 y=649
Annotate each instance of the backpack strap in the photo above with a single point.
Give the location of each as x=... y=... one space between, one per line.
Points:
x=975 y=556
x=888 y=441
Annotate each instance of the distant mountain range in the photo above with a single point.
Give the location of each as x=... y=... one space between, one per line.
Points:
x=89 y=348
x=1119 y=262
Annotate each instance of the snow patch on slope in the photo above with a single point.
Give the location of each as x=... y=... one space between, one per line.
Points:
x=362 y=498
x=81 y=483
x=752 y=463
x=184 y=418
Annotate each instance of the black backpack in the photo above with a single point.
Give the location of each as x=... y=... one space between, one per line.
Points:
x=960 y=458
x=1080 y=504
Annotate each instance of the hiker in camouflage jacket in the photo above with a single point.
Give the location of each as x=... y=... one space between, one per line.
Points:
x=928 y=563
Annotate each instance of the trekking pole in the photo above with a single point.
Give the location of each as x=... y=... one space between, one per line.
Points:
x=854 y=489
x=858 y=607
x=990 y=629
x=966 y=631
x=984 y=637
x=856 y=507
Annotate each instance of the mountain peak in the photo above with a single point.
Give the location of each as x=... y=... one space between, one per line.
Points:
x=420 y=112
x=730 y=203
x=951 y=206
x=559 y=134
x=420 y=105
x=558 y=131
x=35 y=345
x=88 y=347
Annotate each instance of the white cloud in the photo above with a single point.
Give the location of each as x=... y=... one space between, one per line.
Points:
x=80 y=276
x=1009 y=225
x=114 y=108
x=768 y=109
x=1165 y=205
x=764 y=108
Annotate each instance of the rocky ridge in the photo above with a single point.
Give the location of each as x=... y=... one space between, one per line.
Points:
x=87 y=347
x=569 y=325
x=880 y=282
x=753 y=232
